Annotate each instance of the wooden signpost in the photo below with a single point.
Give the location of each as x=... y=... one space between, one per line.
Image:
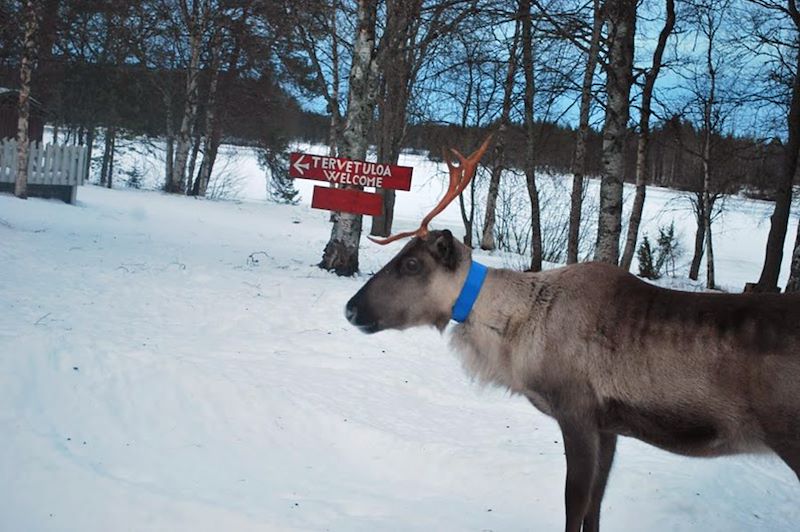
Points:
x=342 y=171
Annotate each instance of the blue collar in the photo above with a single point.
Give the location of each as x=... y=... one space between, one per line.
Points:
x=469 y=292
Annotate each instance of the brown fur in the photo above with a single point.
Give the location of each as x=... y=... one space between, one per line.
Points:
x=607 y=354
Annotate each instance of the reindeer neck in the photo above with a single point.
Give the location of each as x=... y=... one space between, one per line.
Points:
x=504 y=303
x=503 y=312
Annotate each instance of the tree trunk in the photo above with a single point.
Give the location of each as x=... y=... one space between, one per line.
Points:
x=211 y=140
x=192 y=164
x=169 y=169
x=709 y=126
x=341 y=252
x=390 y=119
x=707 y=210
x=621 y=20
x=706 y=194
x=214 y=139
x=112 y=151
x=793 y=285
x=190 y=105
x=194 y=186
x=89 y=149
x=106 y=168
x=779 y=221
x=576 y=197
x=487 y=235
x=699 y=238
x=643 y=145
x=210 y=149
x=27 y=65
x=530 y=139
x=467 y=219
x=396 y=68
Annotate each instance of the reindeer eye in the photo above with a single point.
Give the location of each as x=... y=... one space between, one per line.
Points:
x=412 y=265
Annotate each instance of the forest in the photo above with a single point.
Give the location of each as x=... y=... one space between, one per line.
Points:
x=697 y=95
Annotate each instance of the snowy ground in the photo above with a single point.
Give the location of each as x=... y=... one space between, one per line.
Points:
x=177 y=364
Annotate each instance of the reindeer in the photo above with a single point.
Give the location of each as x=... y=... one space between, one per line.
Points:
x=602 y=352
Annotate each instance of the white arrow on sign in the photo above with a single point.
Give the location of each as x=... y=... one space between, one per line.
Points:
x=299 y=166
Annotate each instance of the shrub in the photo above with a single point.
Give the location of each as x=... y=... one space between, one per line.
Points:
x=647 y=265
x=654 y=263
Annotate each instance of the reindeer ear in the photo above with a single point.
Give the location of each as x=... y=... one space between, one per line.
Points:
x=444 y=249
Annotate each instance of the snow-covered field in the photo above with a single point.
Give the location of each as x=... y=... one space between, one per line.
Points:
x=740 y=232
x=177 y=364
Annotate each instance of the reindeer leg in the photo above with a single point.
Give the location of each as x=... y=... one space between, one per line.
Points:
x=581 y=443
x=608 y=445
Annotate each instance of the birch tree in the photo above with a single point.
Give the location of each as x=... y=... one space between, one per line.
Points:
x=210 y=143
x=194 y=18
x=27 y=66
x=341 y=252
x=621 y=26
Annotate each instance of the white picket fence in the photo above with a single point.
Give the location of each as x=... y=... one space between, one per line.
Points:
x=47 y=164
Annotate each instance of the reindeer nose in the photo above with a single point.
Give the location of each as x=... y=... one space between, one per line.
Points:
x=350 y=312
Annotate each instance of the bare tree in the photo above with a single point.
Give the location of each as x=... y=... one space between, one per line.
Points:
x=195 y=18
x=396 y=65
x=530 y=134
x=498 y=165
x=579 y=168
x=156 y=26
x=27 y=66
x=209 y=145
x=313 y=27
x=712 y=77
x=643 y=145
x=107 y=164
x=413 y=31
x=621 y=24
x=779 y=221
x=472 y=55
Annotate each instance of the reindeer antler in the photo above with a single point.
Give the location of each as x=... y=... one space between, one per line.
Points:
x=460 y=176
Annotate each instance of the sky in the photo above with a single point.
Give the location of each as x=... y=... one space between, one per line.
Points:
x=740 y=74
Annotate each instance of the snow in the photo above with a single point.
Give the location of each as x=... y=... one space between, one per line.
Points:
x=169 y=363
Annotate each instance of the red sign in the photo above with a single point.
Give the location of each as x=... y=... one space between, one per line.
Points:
x=347 y=200
x=349 y=172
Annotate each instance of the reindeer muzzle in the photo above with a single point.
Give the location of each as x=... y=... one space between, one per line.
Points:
x=360 y=315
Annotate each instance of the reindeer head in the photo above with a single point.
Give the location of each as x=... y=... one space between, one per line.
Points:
x=417 y=287
x=421 y=283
